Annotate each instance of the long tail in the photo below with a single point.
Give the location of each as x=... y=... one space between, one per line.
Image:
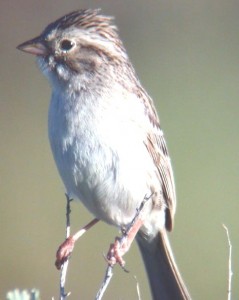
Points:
x=164 y=277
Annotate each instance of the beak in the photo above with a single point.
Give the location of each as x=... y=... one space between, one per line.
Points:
x=34 y=46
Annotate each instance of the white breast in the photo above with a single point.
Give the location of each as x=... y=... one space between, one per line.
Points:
x=99 y=151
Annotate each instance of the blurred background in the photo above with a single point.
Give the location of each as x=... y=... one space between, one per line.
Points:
x=186 y=54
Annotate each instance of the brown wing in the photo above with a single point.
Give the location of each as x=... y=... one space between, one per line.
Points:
x=157 y=148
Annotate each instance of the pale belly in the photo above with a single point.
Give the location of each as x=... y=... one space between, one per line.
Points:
x=110 y=185
x=103 y=162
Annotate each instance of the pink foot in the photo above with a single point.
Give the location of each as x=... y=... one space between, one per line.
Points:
x=64 y=251
x=116 y=251
x=122 y=245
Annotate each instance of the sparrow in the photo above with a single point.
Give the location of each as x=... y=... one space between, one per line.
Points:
x=107 y=140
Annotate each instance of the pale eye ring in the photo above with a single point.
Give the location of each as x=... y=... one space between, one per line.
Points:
x=66 y=45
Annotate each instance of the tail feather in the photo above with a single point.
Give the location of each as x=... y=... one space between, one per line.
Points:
x=164 y=277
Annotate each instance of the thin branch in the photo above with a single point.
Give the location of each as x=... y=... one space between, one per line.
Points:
x=230 y=273
x=121 y=240
x=63 y=294
x=137 y=215
x=137 y=288
x=65 y=249
x=105 y=283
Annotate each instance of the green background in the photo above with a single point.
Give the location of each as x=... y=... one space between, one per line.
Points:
x=186 y=54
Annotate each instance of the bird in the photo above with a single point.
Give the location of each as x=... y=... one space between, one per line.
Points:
x=107 y=141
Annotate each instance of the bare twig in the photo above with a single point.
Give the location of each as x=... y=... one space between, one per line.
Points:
x=121 y=240
x=230 y=273
x=63 y=294
x=105 y=283
x=137 y=215
x=66 y=248
x=137 y=288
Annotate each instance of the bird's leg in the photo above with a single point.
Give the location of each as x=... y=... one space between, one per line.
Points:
x=123 y=243
x=66 y=248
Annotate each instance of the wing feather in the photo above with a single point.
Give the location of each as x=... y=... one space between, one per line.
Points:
x=157 y=148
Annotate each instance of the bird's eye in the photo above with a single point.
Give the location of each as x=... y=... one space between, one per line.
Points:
x=67 y=45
